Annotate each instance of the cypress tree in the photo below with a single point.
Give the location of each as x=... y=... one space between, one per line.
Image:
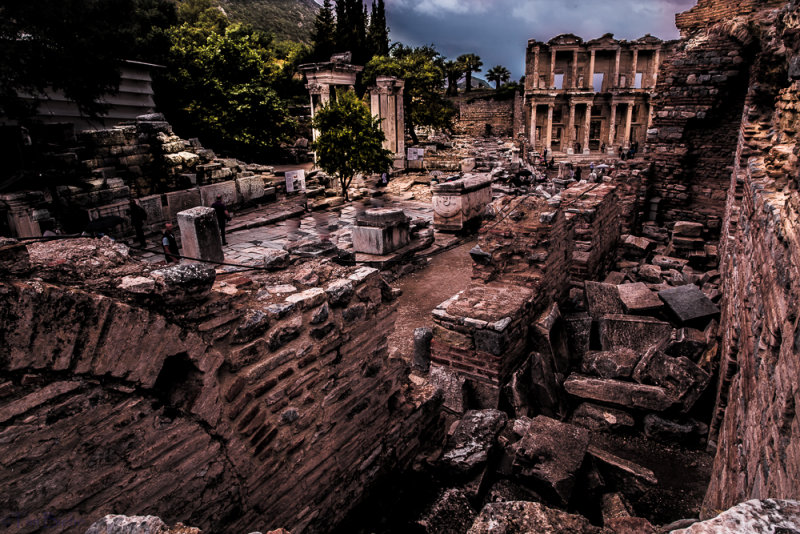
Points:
x=323 y=35
x=378 y=33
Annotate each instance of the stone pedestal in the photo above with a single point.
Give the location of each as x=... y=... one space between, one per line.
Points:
x=457 y=202
x=24 y=212
x=381 y=231
x=200 y=235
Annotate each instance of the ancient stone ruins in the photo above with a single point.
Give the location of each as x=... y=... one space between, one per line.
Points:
x=610 y=345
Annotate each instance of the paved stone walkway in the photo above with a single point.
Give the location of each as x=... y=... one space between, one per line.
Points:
x=276 y=224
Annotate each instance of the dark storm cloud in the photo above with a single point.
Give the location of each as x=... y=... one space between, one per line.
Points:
x=498 y=30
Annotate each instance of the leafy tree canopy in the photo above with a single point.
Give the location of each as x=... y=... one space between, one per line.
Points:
x=423 y=70
x=350 y=140
x=220 y=85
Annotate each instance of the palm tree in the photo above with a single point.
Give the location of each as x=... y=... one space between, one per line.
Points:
x=453 y=70
x=472 y=63
x=498 y=74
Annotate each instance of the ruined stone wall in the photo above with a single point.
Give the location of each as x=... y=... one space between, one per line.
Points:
x=474 y=114
x=710 y=12
x=242 y=406
x=692 y=140
x=755 y=424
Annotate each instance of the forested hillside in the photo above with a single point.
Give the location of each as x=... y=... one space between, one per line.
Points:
x=287 y=19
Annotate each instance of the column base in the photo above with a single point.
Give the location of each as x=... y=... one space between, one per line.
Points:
x=586 y=151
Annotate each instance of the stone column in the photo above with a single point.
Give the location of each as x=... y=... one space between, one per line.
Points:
x=548 y=136
x=634 y=65
x=200 y=235
x=401 y=122
x=590 y=83
x=535 y=68
x=574 y=69
x=587 y=125
x=533 y=124
x=615 y=81
x=612 y=128
x=571 y=129
x=552 y=68
x=656 y=60
x=386 y=103
x=628 y=117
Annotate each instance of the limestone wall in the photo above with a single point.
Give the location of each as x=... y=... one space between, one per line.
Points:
x=709 y=12
x=246 y=405
x=474 y=114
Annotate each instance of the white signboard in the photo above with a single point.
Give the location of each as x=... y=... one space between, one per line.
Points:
x=415 y=154
x=295 y=181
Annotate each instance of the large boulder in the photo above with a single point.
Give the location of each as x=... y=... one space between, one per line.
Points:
x=768 y=516
x=468 y=449
x=549 y=456
x=521 y=517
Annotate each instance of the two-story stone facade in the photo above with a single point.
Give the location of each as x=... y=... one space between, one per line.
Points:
x=590 y=97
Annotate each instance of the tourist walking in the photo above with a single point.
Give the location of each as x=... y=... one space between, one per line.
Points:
x=222 y=216
x=170 y=244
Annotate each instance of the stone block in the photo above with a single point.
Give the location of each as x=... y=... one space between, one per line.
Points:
x=522 y=516
x=200 y=235
x=633 y=332
x=689 y=304
x=456 y=203
x=249 y=188
x=178 y=201
x=227 y=190
x=602 y=418
x=153 y=208
x=684 y=379
x=470 y=446
x=617 y=392
x=450 y=513
x=550 y=455
x=618 y=363
x=768 y=515
x=380 y=231
x=422 y=348
x=687 y=229
x=452 y=386
x=637 y=298
x=602 y=299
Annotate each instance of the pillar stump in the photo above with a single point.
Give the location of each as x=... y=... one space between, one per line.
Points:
x=200 y=235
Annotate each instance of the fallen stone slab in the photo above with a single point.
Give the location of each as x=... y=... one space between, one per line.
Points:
x=683 y=378
x=625 y=394
x=634 y=332
x=636 y=247
x=601 y=418
x=602 y=299
x=618 y=363
x=668 y=262
x=522 y=517
x=550 y=455
x=688 y=342
x=468 y=449
x=751 y=517
x=632 y=468
x=687 y=229
x=668 y=431
x=637 y=298
x=650 y=273
x=688 y=303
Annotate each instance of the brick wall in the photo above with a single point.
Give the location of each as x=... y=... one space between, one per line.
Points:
x=476 y=112
x=238 y=410
x=755 y=423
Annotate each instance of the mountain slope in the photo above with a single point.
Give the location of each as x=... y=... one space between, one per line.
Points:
x=287 y=19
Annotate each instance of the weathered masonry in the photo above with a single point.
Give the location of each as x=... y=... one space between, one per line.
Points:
x=586 y=97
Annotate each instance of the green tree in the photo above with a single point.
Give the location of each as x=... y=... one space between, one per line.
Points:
x=378 y=33
x=73 y=46
x=472 y=63
x=453 y=71
x=221 y=88
x=323 y=36
x=350 y=140
x=498 y=74
x=423 y=70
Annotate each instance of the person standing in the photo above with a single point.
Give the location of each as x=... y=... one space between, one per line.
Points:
x=222 y=216
x=138 y=216
x=170 y=244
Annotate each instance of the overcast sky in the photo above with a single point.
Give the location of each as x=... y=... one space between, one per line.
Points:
x=498 y=30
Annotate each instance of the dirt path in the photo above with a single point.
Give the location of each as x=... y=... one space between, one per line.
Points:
x=446 y=274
